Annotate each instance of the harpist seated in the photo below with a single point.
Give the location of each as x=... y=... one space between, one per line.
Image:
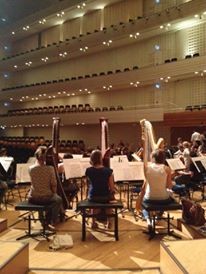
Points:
x=158 y=183
x=101 y=182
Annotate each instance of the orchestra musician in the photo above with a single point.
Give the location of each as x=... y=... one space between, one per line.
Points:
x=43 y=189
x=157 y=174
x=101 y=183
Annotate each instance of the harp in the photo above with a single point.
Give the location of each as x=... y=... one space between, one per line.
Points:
x=105 y=142
x=149 y=139
x=52 y=159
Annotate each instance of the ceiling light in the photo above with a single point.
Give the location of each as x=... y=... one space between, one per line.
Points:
x=13 y=32
x=107 y=43
x=3 y=19
x=135 y=84
x=26 y=28
x=43 y=21
x=45 y=59
x=15 y=66
x=28 y=63
x=135 y=36
x=63 y=54
x=5 y=47
x=81 y=6
x=107 y=87
x=61 y=14
x=157 y=47
x=84 y=49
x=157 y=85
x=11 y=99
x=6 y=75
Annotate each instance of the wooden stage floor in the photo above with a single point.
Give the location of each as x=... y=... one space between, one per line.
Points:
x=99 y=254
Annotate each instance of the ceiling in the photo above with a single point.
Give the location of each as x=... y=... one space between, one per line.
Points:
x=14 y=10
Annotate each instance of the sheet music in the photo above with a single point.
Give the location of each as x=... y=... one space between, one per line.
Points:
x=120 y=158
x=127 y=171
x=22 y=173
x=6 y=162
x=200 y=163
x=137 y=158
x=77 y=156
x=175 y=164
x=84 y=163
x=75 y=168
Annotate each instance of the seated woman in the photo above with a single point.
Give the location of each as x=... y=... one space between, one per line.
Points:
x=158 y=182
x=43 y=189
x=101 y=182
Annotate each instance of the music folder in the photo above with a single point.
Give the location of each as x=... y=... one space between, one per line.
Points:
x=200 y=163
x=175 y=164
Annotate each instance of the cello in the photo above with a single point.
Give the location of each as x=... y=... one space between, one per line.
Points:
x=52 y=159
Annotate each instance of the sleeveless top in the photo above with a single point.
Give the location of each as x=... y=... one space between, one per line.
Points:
x=98 y=181
x=156 y=182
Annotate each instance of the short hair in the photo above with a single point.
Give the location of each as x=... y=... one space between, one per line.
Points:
x=159 y=156
x=96 y=157
x=40 y=153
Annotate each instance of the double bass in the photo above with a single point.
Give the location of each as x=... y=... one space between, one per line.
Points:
x=52 y=159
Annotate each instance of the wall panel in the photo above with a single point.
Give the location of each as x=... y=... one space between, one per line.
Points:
x=122 y=11
x=71 y=28
x=51 y=35
x=91 y=21
x=28 y=43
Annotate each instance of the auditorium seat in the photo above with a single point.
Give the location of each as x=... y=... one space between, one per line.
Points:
x=87 y=107
x=81 y=108
x=119 y=107
x=102 y=73
x=196 y=54
x=112 y=108
x=50 y=109
x=167 y=61
x=117 y=70
x=56 y=109
x=189 y=108
x=203 y=106
x=109 y=72
x=135 y=67
x=97 y=109
x=188 y=56
x=45 y=110
x=173 y=59
x=104 y=108
x=74 y=108
x=67 y=108
x=196 y=107
x=61 y=109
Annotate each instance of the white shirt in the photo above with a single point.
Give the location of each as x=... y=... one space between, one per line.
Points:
x=156 y=188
